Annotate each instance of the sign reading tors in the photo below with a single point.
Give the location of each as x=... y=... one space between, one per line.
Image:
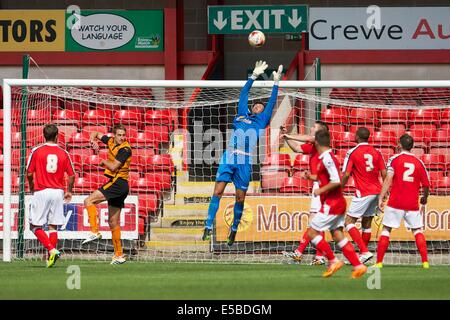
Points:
x=379 y=28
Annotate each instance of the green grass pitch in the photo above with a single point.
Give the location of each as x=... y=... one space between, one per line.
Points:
x=148 y=280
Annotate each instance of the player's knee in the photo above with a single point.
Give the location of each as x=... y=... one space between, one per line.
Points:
x=112 y=223
x=87 y=202
x=218 y=193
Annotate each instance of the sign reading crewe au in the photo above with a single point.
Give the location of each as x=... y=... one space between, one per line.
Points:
x=243 y=19
x=375 y=28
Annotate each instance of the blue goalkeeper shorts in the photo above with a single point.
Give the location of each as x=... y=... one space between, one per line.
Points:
x=240 y=174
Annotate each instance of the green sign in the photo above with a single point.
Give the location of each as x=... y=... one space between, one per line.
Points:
x=119 y=30
x=270 y=19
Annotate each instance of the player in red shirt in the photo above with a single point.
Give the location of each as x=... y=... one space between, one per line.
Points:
x=365 y=164
x=305 y=144
x=46 y=167
x=405 y=173
x=331 y=214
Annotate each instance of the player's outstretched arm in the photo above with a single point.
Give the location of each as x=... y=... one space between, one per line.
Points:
x=94 y=136
x=267 y=113
x=259 y=69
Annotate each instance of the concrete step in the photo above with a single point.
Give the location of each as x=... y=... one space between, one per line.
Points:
x=192 y=221
x=176 y=234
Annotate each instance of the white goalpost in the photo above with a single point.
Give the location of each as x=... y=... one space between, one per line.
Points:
x=178 y=129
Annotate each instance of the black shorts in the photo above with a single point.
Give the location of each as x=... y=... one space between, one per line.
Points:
x=115 y=192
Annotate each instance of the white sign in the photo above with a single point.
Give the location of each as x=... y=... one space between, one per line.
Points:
x=424 y=28
x=103 y=31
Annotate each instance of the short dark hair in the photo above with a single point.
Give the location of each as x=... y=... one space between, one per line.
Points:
x=50 y=132
x=363 y=133
x=322 y=125
x=118 y=127
x=407 y=142
x=322 y=138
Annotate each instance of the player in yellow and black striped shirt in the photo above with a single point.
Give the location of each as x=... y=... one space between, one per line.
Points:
x=115 y=191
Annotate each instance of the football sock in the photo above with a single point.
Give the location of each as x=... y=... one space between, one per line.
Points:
x=43 y=238
x=53 y=236
x=383 y=244
x=212 y=210
x=116 y=241
x=356 y=236
x=349 y=252
x=92 y=213
x=323 y=246
x=304 y=242
x=366 y=235
x=421 y=245
x=319 y=254
x=238 y=209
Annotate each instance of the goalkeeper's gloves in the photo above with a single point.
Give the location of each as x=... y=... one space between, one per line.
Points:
x=277 y=74
x=260 y=67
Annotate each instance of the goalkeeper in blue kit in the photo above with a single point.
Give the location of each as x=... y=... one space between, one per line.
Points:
x=235 y=164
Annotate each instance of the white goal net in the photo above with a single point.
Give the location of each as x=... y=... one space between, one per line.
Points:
x=178 y=130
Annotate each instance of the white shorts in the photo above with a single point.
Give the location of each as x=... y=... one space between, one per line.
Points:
x=324 y=222
x=315 y=200
x=393 y=217
x=363 y=207
x=47 y=207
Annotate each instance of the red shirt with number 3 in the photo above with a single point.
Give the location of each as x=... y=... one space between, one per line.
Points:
x=49 y=163
x=409 y=174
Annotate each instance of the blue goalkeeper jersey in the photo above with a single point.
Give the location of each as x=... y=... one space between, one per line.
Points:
x=247 y=127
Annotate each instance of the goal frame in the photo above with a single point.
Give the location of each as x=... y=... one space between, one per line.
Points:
x=8 y=83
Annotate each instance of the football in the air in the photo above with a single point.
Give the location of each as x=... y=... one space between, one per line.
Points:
x=256 y=38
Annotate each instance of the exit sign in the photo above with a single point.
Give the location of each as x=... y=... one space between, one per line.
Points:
x=268 y=19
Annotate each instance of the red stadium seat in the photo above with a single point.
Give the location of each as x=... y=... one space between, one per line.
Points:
x=374 y=93
x=394 y=116
x=159 y=133
x=161 y=180
x=405 y=93
x=96 y=178
x=443 y=186
x=159 y=162
x=139 y=158
x=344 y=93
x=142 y=185
x=159 y=116
x=424 y=115
x=127 y=117
x=435 y=177
x=277 y=162
x=15 y=158
x=343 y=140
x=445 y=116
x=435 y=93
x=383 y=139
x=440 y=138
x=272 y=180
x=335 y=115
x=350 y=187
x=295 y=185
x=340 y=154
x=80 y=106
x=98 y=117
x=301 y=162
x=445 y=152
x=418 y=152
x=90 y=129
x=67 y=116
x=433 y=161
x=40 y=116
x=364 y=116
x=398 y=128
x=79 y=140
x=143 y=139
x=148 y=204
x=336 y=128
x=92 y=163
x=427 y=127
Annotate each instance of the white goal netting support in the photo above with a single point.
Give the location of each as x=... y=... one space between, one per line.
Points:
x=175 y=159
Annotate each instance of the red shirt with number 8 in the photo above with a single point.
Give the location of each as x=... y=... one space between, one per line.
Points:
x=49 y=163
